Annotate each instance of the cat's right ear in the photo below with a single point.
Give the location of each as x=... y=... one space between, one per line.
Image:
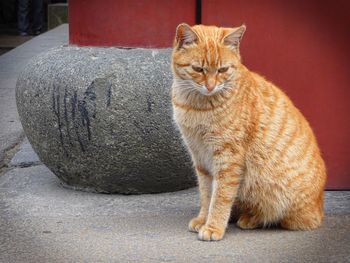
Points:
x=184 y=36
x=233 y=39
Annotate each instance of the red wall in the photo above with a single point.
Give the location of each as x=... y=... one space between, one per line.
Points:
x=302 y=46
x=127 y=23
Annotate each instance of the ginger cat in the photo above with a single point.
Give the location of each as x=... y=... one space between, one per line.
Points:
x=251 y=147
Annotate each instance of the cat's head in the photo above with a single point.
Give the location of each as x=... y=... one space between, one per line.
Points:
x=206 y=58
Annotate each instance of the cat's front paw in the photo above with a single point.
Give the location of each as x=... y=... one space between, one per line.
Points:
x=196 y=224
x=210 y=233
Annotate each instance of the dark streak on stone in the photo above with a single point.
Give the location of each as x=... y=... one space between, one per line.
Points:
x=74 y=102
x=66 y=116
x=57 y=110
x=149 y=104
x=142 y=128
x=84 y=106
x=53 y=101
x=85 y=119
x=90 y=95
x=87 y=109
x=109 y=94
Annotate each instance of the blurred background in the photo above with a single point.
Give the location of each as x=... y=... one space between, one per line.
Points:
x=51 y=13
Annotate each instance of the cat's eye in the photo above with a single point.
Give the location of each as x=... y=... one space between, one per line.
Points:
x=197 y=69
x=223 y=69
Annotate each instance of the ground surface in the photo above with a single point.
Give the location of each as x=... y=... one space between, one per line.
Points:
x=41 y=221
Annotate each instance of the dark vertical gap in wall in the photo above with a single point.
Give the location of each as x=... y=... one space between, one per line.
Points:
x=198 y=11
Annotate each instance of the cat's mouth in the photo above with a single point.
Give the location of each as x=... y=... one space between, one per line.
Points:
x=210 y=92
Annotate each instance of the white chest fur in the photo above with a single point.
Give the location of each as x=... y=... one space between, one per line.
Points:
x=195 y=134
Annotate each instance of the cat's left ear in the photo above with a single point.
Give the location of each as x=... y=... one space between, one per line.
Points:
x=184 y=36
x=233 y=39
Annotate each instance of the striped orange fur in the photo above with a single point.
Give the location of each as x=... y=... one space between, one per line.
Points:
x=250 y=145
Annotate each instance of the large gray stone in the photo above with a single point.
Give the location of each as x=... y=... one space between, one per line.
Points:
x=100 y=119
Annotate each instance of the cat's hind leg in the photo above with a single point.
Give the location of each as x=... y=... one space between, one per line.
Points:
x=247 y=218
x=306 y=216
x=247 y=221
x=306 y=220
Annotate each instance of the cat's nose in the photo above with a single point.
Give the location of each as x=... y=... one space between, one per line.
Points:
x=210 y=85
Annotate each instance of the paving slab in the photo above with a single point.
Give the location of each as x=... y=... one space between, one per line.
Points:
x=41 y=221
x=11 y=63
x=25 y=157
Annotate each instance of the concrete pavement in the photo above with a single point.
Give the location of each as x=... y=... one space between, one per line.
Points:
x=41 y=221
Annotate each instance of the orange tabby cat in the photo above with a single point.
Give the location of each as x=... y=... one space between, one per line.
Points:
x=250 y=145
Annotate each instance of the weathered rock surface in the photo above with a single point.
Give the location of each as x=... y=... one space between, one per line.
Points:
x=101 y=119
